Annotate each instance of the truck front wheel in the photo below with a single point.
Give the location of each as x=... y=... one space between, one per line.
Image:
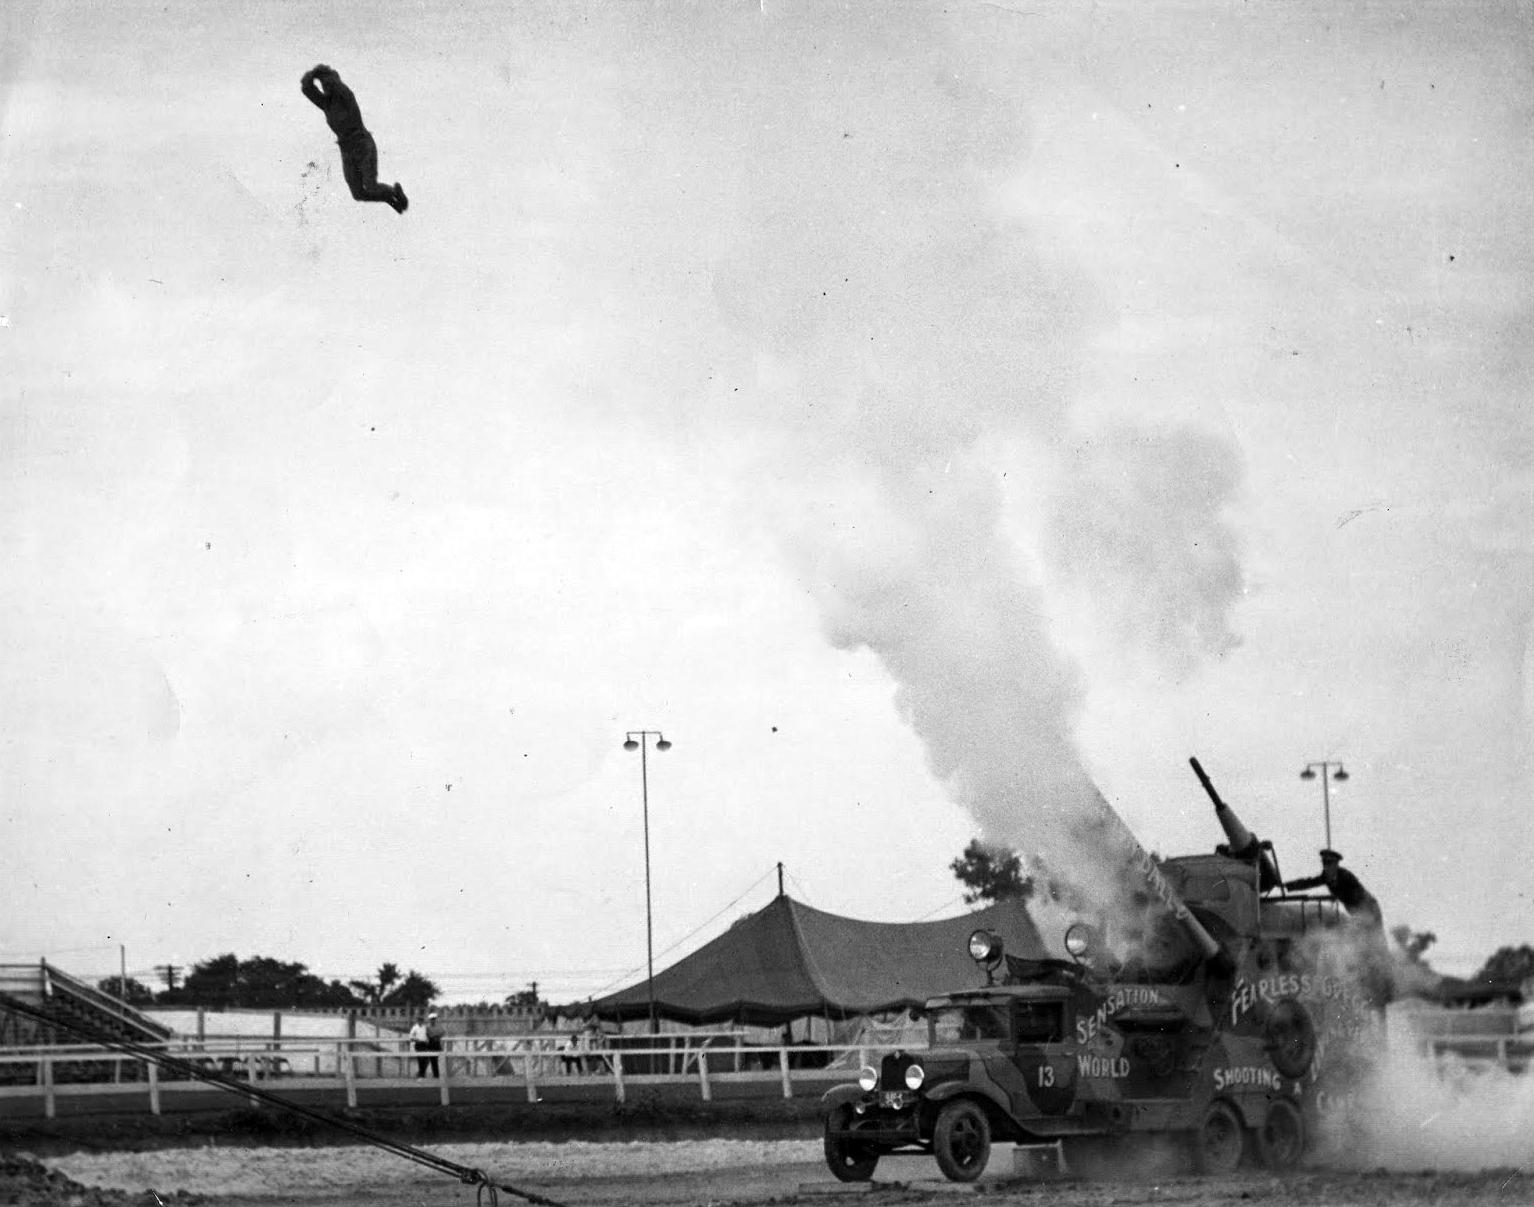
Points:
x=961 y=1141
x=848 y=1159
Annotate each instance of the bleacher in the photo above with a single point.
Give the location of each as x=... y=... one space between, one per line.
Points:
x=63 y=998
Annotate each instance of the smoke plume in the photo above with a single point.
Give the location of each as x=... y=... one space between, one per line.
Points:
x=1137 y=528
x=906 y=328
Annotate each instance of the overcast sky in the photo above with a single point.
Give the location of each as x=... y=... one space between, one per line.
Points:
x=913 y=411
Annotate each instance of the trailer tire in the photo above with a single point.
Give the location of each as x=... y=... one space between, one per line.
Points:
x=961 y=1140
x=1219 y=1142
x=1290 y=1037
x=1281 y=1138
x=848 y=1159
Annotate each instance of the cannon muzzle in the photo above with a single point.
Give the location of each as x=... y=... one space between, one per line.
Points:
x=1243 y=843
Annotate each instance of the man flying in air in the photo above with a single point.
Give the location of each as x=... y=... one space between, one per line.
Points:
x=359 y=153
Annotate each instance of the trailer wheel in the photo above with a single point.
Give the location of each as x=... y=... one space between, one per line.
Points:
x=1218 y=1142
x=1281 y=1138
x=848 y=1159
x=1290 y=1036
x=961 y=1141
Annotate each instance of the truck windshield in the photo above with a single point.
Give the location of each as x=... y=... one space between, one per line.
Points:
x=973 y=1020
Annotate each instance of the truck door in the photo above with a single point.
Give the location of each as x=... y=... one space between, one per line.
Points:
x=1045 y=1062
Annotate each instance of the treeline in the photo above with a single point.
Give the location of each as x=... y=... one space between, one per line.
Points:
x=226 y=981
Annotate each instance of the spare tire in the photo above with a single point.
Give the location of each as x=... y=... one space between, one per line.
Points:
x=1289 y=1035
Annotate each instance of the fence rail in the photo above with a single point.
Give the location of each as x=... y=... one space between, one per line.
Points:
x=343 y=1071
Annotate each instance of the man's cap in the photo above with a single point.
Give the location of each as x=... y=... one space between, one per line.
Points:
x=1328 y=853
x=433 y=1014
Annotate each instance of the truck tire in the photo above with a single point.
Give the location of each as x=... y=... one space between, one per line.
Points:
x=1289 y=1034
x=1218 y=1142
x=1281 y=1138
x=848 y=1159
x=961 y=1141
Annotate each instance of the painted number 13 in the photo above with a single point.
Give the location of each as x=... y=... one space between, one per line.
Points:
x=1046 y=1075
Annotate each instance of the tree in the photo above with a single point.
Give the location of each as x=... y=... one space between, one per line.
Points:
x=525 y=999
x=1508 y=966
x=258 y=982
x=1413 y=943
x=130 y=991
x=415 y=991
x=991 y=873
x=374 y=992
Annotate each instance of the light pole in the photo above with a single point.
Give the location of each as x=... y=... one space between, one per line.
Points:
x=635 y=739
x=1327 y=775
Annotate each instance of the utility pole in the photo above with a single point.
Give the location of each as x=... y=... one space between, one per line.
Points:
x=1328 y=774
x=638 y=739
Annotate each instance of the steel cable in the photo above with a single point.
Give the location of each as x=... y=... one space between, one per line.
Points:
x=465 y=1174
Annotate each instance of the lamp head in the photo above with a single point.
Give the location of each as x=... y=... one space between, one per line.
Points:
x=662 y=744
x=1340 y=774
x=630 y=744
x=1308 y=774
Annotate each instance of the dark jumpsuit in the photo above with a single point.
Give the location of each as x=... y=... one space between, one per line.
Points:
x=359 y=153
x=1346 y=888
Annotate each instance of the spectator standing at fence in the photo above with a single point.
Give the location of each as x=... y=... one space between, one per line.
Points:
x=418 y=1042
x=434 y=1035
x=591 y=1044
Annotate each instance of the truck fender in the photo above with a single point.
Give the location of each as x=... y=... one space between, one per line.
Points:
x=969 y=1089
x=840 y=1095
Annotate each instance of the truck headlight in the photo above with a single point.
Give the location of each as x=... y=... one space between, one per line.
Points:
x=914 y=1076
x=985 y=947
x=868 y=1078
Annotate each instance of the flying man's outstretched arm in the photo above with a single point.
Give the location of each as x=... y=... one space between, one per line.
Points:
x=311 y=90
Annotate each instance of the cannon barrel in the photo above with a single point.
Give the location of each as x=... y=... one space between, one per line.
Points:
x=1160 y=890
x=1243 y=843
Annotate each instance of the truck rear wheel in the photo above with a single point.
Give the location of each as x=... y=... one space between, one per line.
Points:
x=848 y=1159
x=961 y=1141
x=1218 y=1142
x=1281 y=1138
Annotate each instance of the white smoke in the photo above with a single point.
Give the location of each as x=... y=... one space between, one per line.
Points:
x=904 y=327
x=1393 y=1103
x=1137 y=528
x=1419 y=1112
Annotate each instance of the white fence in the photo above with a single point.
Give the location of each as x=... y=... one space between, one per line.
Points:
x=341 y=1070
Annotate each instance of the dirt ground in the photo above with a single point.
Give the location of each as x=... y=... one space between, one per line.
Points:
x=678 y=1174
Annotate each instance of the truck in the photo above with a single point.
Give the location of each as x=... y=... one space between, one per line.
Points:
x=1236 y=1022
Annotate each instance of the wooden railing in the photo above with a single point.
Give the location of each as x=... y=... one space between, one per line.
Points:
x=342 y=1071
x=1509 y=1052
x=58 y=983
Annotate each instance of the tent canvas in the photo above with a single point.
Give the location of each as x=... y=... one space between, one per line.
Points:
x=789 y=961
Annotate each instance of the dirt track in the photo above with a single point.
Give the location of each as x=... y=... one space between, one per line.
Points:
x=685 y=1174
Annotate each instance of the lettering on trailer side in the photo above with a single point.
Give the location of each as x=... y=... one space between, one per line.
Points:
x=1269 y=989
x=1247 y=1077
x=1120 y=999
x=1102 y=1066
